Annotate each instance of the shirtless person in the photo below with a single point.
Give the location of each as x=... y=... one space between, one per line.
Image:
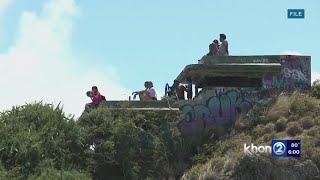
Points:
x=214 y=48
x=180 y=91
x=140 y=93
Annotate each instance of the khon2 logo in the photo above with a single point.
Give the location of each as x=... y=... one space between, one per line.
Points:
x=279 y=148
x=286 y=148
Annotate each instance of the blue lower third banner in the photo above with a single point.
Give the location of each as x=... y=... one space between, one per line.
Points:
x=286 y=148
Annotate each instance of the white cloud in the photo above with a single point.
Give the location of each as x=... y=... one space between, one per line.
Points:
x=288 y=52
x=41 y=64
x=3 y=5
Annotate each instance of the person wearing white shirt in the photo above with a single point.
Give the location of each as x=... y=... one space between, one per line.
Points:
x=151 y=93
x=148 y=94
x=223 y=49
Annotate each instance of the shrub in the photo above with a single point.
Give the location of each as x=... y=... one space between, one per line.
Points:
x=242 y=123
x=307 y=122
x=33 y=133
x=316 y=158
x=279 y=109
x=268 y=137
x=2 y=172
x=280 y=125
x=293 y=117
x=53 y=174
x=310 y=144
x=255 y=116
x=315 y=89
x=261 y=130
x=293 y=129
x=298 y=105
x=134 y=144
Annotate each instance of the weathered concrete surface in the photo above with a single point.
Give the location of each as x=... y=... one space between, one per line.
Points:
x=221 y=100
x=228 y=66
x=149 y=109
x=140 y=104
x=240 y=59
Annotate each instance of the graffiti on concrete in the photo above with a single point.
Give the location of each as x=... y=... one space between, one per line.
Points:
x=221 y=108
x=295 y=75
x=263 y=60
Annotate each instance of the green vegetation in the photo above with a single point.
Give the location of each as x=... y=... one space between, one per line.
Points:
x=315 y=89
x=38 y=141
x=131 y=145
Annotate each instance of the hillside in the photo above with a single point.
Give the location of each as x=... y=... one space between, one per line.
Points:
x=283 y=117
x=40 y=142
x=295 y=117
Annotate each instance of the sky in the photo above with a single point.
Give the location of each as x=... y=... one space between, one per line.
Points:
x=55 y=50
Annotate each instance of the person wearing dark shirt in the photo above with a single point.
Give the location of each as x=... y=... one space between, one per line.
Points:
x=189 y=89
x=180 y=91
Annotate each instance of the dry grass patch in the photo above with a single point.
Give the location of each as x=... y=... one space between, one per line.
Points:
x=280 y=125
x=317 y=120
x=294 y=129
x=242 y=122
x=231 y=160
x=269 y=137
x=297 y=105
x=262 y=129
x=302 y=104
x=307 y=122
x=310 y=145
x=313 y=131
x=193 y=173
x=279 y=109
x=293 y=117
x=281 y=161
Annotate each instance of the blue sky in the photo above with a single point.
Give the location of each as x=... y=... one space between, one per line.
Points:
x=117 y=45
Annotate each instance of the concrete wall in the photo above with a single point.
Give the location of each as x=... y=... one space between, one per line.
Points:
x=221 y=106
x=295 y=75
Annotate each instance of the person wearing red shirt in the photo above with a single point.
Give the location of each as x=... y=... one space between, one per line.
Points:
x=96 y=98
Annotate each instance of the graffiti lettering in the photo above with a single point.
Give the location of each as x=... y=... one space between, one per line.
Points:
x=220 y=109
x=295 y=74
x=261 y=60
